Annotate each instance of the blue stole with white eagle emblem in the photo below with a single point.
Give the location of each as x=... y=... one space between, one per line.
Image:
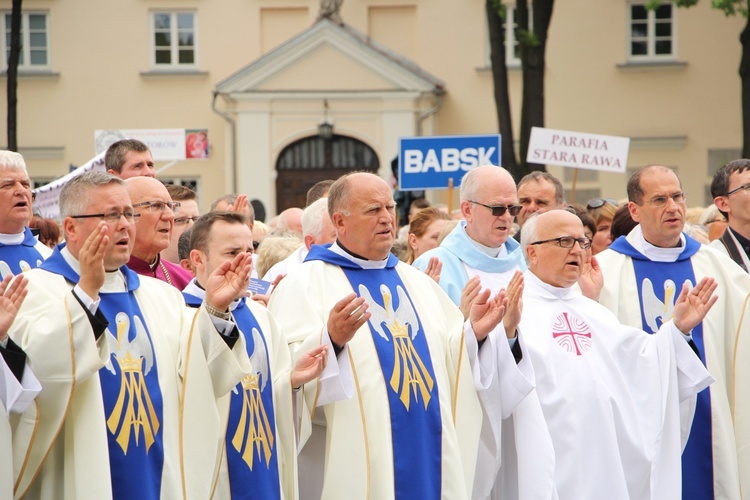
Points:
x=22 y=257
x=659 y=284
x=133 y=405
x=251 y=447
x=404 y=355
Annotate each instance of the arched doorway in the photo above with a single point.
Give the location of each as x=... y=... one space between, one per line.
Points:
x=313 y=159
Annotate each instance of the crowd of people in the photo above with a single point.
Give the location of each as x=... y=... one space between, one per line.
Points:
x=519 y=348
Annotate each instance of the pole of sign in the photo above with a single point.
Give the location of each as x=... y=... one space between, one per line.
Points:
x=573 y=189
x=450 y=195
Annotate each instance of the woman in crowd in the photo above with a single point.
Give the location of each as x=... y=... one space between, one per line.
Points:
x=424 y=230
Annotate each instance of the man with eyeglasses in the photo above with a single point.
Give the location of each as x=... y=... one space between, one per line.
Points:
x=153 y=233
x=606 y=418
x=643 y=274
x=730 y=188
x=183 y=220
x=479 y=245
x=133 y=381
x=19 y=248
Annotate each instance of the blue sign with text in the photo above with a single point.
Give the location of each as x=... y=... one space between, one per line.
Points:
x=429 y=162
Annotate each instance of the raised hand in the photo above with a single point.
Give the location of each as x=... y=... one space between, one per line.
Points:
x=591 y=280
x=229 y=281
x=434 y=268
x=486 y=313
x=469 y=294
x=239 y=205
x=91 y=258
x=693 y=305
x=515 y=304
x=309 y=365
x=12 y=293
x=346 y=317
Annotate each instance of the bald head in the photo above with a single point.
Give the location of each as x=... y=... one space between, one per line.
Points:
x=544 y=240
x=291 y=219
x=473 y=180
x=481 y=189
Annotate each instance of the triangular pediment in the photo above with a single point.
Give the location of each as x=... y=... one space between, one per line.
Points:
x=330 y=57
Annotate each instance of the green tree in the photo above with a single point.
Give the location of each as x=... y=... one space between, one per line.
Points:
x=733 y=8
x=531 y=33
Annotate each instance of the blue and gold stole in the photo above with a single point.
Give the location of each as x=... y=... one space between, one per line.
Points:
x=405 y=360
x=659 y=284
x=133 y=406
x=19 y=258
x=251 y=446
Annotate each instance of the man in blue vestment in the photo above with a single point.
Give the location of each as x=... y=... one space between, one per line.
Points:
x=19 y=249
x=643 y=274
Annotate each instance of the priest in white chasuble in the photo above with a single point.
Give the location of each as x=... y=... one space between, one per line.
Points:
x=618 y=403
x=130 y=376
x=18 y=385
x=643 y=273
x=260 y=444
x=420 y=373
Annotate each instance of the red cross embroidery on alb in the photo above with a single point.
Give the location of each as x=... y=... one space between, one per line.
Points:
x=572 y=334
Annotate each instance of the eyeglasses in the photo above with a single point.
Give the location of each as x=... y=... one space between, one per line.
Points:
x=499 y=210
x=111 y=217
x=159 y=206
x=661 y=201
x=567 y=242
x=185 y=220
x=746 y=187
x=599 y=202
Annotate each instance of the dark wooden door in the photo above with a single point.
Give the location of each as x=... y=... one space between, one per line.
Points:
x=313 y=159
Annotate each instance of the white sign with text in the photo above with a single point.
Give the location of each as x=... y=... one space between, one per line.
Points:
x=577 y=149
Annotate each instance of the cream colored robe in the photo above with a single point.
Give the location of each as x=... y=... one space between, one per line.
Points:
x=60 y=443
x=15 y=397
x=726 y=336
x=359 y=454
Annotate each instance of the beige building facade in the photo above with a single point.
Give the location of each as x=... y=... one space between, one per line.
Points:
x=262 y=75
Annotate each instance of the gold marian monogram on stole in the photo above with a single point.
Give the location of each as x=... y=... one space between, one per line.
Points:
x=410 y=377
x=254 y=427
x=134 y=411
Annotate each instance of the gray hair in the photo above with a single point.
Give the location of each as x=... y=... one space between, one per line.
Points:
x=313 y=218
x=114 y=158
x=530 y=233
x=710 y=214
x=11 y=160
x=273 y=249
x=472 y=181
x=542 y=176
x=74 y=198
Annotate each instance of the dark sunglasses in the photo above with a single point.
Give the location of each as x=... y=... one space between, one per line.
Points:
x=499 y=210
x=599 y=202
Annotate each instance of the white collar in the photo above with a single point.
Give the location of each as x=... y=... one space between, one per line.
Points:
x=114 y=281
x=12 y=239
x=654 y=253
x=363 y=263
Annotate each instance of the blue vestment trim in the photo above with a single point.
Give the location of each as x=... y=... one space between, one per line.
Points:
x=404 y=355
x=658 y=282
x=251 y=441
x=21 y=257
x=133 y=404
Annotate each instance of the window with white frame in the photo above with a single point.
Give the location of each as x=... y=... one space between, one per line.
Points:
x=34 y=54
x=512 y=49
x=652 y=33
x=174 y=40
